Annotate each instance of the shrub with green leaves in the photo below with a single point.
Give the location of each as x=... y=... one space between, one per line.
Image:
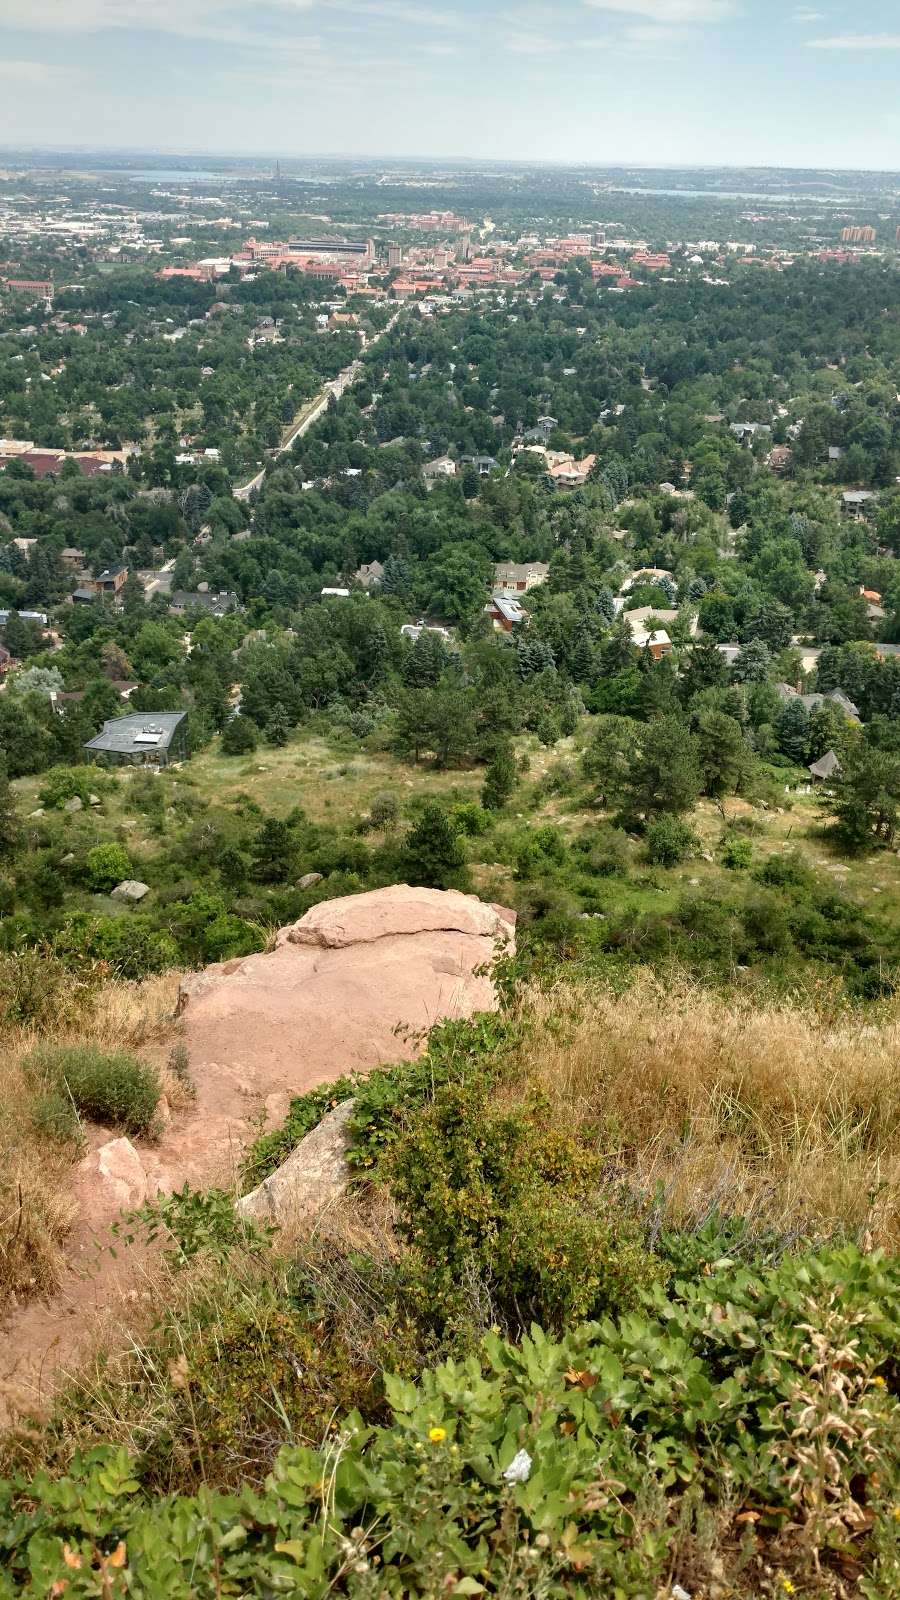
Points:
x=669 y=840
x=505 y=1201
x=107 y=865
x=60 y=784
x=115 y=1089
x=737 y=852
x=739 y=1433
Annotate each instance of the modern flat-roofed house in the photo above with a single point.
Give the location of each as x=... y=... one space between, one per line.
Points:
x=151 y=739
x=215 y=604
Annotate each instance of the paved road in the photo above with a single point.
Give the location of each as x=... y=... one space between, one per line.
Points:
x=335 y=387
x=160 y=582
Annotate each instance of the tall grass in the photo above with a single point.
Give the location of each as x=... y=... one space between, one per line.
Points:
x=36 y=1209
x=764 y=1109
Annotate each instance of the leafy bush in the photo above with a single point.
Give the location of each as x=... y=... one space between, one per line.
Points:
x=107 y=865
x=132 y=947
x=669 y=840
x=115 y=1089
x=504 y=1200
x=606 y=1462
x=384 y=811
x=737 y=853
x=304 y=1113
x=40 y=989
x=228 y=936
x=60 y=784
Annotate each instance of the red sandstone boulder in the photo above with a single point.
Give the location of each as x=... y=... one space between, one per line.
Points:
x=354 y=984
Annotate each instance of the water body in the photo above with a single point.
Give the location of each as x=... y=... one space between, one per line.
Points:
x=770 y=197
x=160 y=175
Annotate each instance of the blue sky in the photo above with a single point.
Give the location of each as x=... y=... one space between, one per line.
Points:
x=709 y=82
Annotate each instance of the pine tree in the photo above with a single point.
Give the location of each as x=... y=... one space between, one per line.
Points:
x=499 y=779
x=238 y=737
x=792 y=731
x=433 y=854
x=396 y=578
x=752 y=665
x=583 y=658
x=278 y=728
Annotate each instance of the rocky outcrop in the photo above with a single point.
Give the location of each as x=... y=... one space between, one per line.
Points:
x=355 y=983
x=114 y=1179
x=310 y=1180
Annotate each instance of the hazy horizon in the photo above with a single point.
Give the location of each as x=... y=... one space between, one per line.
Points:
x=607 y=82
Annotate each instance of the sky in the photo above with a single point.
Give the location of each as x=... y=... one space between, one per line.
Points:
x=655 y=82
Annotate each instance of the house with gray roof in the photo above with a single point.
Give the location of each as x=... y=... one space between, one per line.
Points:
x=141 y=739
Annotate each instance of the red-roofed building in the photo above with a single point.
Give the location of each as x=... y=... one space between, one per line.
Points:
x=41 y=287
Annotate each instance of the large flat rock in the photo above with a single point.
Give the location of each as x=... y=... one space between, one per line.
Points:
x=353 y=984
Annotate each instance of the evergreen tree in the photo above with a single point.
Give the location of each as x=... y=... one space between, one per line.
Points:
x=867 y=797
x=397 y=576
x=274 y=852
x=665 y=775
x=583 y=658
x=17 y=637
x=433 y=855
x=278 y=728
x=500 y=778
x=792 y=730
x=753 y=663
x=238 y=736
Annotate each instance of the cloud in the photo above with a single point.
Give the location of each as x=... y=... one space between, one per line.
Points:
x=804 y=15
x=33 y=74
x=532 y=44
x=671 y=12
x=857 y=41
x=416 y=16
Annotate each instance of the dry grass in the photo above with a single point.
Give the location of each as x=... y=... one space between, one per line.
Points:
x=766 y=1110
x=36 y=1209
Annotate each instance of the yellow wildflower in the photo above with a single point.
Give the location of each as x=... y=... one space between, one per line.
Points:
x=437 y=1435
x=879 y=1381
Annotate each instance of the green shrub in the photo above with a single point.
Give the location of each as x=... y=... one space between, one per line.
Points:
x=469 y=819
x=384 y=811
x=505 y=1201
x=385 y=1098
x=115 y=1089
x=228 y=936
x=669 y=840
x=132 y=946
x=60 y=784
x=783 y=872
x=737 y=853
x=601 y=1463
x=605 y=851
x=107 y=865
